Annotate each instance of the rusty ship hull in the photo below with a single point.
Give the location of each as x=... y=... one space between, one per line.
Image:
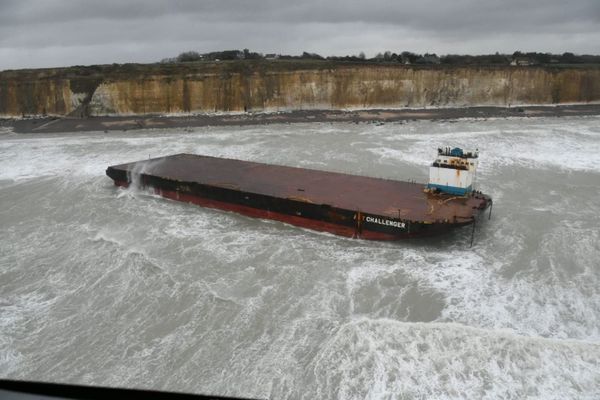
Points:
x=342 y=204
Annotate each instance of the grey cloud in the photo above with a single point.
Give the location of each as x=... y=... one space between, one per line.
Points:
x=37 y=33
x=458 y=13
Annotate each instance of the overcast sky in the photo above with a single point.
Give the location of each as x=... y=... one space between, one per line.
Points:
x=47 y=33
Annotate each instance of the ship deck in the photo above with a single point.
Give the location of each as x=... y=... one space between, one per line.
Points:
x=394 y=199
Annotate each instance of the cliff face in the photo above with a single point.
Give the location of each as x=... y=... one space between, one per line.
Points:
x=244 y=86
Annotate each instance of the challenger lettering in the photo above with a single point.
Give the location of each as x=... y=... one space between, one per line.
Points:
x=386 y=222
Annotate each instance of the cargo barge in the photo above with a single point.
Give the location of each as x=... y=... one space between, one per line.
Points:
x=343 y=204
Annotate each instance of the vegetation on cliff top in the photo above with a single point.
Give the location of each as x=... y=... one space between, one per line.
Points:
x=242 y=66
x=240 y=61
x=404 y=57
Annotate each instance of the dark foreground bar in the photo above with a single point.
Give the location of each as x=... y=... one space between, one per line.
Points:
x=28 y=390
x=348 y=205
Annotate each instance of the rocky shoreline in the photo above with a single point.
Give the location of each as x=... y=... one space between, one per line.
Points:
x=124 y=123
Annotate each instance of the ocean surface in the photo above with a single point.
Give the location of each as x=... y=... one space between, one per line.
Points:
x=109 y=286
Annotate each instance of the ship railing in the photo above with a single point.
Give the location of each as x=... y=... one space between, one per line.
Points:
x=447 y=151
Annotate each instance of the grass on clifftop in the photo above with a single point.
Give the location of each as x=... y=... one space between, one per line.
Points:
x=126 y=71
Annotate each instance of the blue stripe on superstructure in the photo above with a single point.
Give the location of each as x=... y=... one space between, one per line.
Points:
x=450 y=189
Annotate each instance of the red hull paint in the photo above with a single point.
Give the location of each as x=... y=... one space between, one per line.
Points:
x=265 y=214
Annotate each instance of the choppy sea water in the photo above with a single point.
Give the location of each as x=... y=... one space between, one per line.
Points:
x=109 y=286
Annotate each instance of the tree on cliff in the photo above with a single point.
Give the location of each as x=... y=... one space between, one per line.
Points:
x=311 y=56
x=408 y=57
x=189 y=56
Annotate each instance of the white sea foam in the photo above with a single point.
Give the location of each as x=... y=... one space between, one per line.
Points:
x=417 y=360
x=119 y=286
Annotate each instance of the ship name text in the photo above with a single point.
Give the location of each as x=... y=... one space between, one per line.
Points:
x=386 y=222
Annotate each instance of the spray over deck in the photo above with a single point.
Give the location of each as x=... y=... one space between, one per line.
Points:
x=343 y=204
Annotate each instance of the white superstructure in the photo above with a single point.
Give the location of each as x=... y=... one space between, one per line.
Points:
x=453 y=171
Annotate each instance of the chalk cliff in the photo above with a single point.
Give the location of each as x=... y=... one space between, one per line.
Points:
x=284 y=85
